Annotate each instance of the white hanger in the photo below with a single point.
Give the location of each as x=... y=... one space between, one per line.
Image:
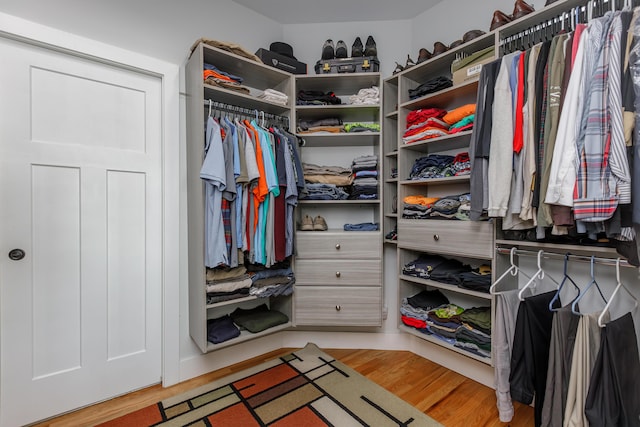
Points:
x=538 y=275
x=513 y=270
x=613 y=295
x=210 y=104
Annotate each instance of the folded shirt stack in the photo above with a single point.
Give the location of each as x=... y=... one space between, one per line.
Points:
x=365 y=183
x=225 y=284
x=361 y=127
x=274 y=96
x=336 y=175
x=317 y=97
x=440 y=166
x=324 y=192
x=432 y=123
x=258 y=319
x=454 y=207
x=363 y=226
x=272 y=282
x=467 y=329
x=216 y=77
x=368 y=96
x=449 y=271
x=326 y=125
x=430 y=86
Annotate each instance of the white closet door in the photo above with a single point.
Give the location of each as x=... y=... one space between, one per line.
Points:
x=80 y=197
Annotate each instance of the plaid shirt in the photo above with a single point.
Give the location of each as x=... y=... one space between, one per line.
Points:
x=594 y=197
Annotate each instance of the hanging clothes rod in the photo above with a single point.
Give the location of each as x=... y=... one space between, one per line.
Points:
x=560 y=256
x=234 y=109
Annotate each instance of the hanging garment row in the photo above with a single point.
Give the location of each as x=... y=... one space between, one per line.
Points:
x=580 y=368
x=561 y=167
x=253 y=176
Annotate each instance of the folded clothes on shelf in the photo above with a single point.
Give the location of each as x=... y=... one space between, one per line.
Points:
x=363 y=226
x=366 y=96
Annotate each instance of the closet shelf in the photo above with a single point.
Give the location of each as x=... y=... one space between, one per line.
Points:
x=255 y=74
x=441 y=64
x=446 y=98
x=391 y=242
x=231 y=302
x=338 y=202
x=455 y=141
x=348 y=113
x=538 y=16
x=434 y=340
x=393 y=153
x=392 y=115
x=356 y=139
x=248 y=336
x=445 y=286
x=391 y=215
x=391 y=180
x=336 y=83
x=437 y=181
x=233 y=97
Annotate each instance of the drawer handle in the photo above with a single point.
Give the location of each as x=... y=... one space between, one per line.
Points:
x=337 y=274
x=436 y=237
x=337 y=246
x=338 y=308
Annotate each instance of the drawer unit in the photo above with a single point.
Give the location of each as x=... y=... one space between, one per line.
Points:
x=336 y=306
x=464 y=238
x=341 y=272
x=324 y=245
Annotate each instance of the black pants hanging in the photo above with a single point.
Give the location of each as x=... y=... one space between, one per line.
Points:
x=614 y=393
x=530 y=354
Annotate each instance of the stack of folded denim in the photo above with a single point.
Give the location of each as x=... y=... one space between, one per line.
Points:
x=363 y=226
x=430 y=86
x=325 y=192
x=366 y=96
x=365 y=182
x=317 y=97
x=225 y=284
x=272 y=282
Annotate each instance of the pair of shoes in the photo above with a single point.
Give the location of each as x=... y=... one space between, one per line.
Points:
x=392 y=235
x=368 y=49
x=424 y=55
x=329 y=51
x=439 y=47
x=520 y=9
x=313 y=224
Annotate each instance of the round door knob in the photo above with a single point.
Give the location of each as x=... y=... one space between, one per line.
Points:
x=337 y=274
x=337 y=246
x=16 y=254
x=338 y=308
x=436 y=237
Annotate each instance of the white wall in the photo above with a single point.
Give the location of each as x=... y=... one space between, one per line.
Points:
x=391 y=37
x=447 y=21
x=164 y=29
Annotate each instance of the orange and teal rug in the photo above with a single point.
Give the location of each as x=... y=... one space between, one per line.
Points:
x=306 y=388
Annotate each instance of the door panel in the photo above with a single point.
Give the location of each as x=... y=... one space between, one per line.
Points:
x=81 y=194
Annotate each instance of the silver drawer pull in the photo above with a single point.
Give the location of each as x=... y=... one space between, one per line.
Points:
x=436 y=237
x=337 y=246
x=337 y=274
x=338 y=308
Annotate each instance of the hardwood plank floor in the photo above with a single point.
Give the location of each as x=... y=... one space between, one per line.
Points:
x=448 y=397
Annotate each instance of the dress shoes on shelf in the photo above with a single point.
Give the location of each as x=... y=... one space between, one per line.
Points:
x=370 y=48
x=328 y=50
x=455 y=44
x=438 y=48
x=499 y=19
x=357 y=49
x=521 y=8
x=423 y=55
x=472 y=34
x=341 y=49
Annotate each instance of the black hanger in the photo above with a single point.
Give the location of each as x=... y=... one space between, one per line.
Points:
x=565 y=277
x=593 y=281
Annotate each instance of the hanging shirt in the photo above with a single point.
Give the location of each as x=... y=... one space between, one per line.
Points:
x=214 y=176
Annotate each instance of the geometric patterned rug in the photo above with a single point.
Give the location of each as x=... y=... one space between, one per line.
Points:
x=306 y=388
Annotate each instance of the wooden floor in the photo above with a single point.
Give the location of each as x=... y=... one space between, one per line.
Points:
x=444 y=395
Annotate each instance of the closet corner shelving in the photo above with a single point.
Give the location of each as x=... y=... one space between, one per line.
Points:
x=390 y=158
x=469 y=242
x=339 y=273
x=257 y=77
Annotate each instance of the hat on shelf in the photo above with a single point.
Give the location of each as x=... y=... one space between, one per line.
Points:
x=283 y=49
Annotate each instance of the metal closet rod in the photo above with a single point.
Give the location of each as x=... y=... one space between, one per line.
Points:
x=234 y=109
x=560 y=256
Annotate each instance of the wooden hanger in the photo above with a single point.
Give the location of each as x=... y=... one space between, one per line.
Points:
x=619 y=286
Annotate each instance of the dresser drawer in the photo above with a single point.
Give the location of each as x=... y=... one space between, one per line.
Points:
x=464 y=238
x=323 y=244
x=338 y=272
x=336 y=306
